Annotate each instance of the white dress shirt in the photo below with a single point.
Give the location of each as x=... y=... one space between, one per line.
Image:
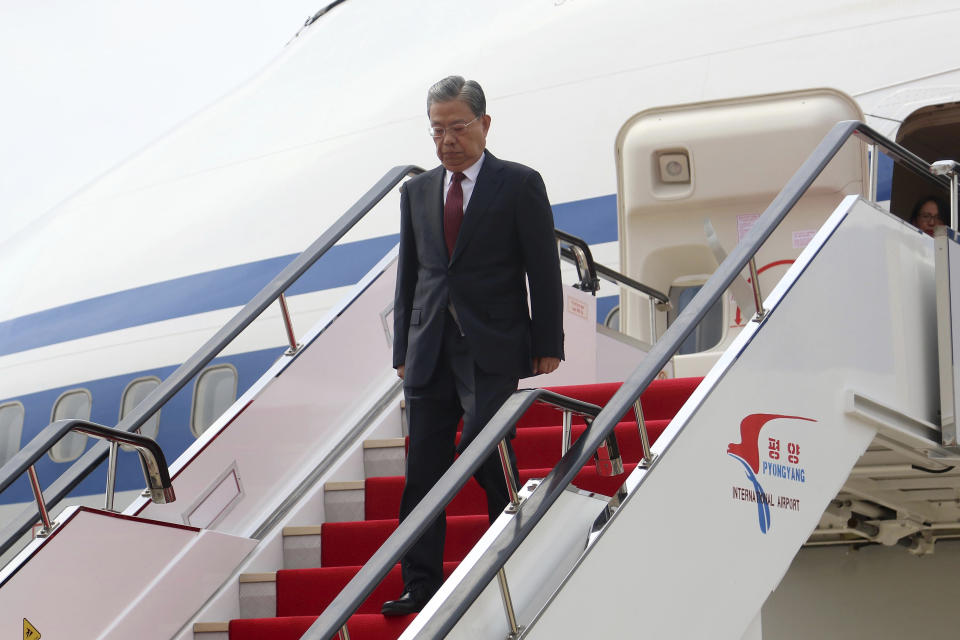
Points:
x=467 y=184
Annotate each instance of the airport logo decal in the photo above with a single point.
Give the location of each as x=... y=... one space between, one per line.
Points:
x=779 y=462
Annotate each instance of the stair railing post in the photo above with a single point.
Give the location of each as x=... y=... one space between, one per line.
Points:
x=38 y=495
x=567 y=432
x=112 y=476
x=644 y=436
x=757 y=298
x=653 y=320
x=509 y=476
x=508 y=604
x=288 y=325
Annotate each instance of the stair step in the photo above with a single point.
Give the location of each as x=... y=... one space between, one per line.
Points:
x=368 y=626
x=384 y=457
x=258 y=595
x=352 y=543
x=383 y=494
x=343 y=501
x=309 y=592
x=661 y=401
x=211 y=631
x=538 y=447
x=383 y=499
x=301 y=547
x=302 y=593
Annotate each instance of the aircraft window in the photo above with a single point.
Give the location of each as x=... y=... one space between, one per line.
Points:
x=133 y=395
x=72 y=404
x=612 y=321
x=215 y=391
x=11 y=430
x=710 y=330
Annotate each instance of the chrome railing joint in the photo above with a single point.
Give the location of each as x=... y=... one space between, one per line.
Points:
x=509 y=476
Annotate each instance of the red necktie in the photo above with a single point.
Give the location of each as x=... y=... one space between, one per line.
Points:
x=453 y=212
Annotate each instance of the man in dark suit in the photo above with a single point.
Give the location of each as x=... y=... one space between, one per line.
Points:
x=473 y=232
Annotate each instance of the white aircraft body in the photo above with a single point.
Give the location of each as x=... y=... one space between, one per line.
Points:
x=121 y=283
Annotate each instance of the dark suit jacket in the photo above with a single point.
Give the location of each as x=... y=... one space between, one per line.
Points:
x=506 y=238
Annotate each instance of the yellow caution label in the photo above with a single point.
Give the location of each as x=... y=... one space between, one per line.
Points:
x=29 y=631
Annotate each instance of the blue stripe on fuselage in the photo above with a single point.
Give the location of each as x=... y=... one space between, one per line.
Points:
x=593 y=219
x=173 y=434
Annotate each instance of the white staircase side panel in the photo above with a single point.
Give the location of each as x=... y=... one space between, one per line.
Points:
x=532 y=572
x=307 y=510
x=693 y=551
x=103 y=575
x=256 y=454
x=619 y=354
x=579 y=365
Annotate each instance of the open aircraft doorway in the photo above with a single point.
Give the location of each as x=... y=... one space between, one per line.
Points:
x=933 y=133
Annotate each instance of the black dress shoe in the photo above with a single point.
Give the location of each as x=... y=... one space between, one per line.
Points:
x=410 y=601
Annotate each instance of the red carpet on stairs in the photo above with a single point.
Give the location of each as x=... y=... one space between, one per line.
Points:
x=302 y=594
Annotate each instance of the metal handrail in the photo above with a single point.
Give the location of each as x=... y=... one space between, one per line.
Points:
x=579 y=252
x=532 y=510
x=154 y=463
x=619 y=278
x=62 y=486
x=383 y=560
x=588 y=270
x=589 y=274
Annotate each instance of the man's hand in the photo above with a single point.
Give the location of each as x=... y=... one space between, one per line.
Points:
x=543 y=365
x=400 y=371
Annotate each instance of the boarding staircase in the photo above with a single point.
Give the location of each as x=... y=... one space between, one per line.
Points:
x=708 y=517
x=303 y=593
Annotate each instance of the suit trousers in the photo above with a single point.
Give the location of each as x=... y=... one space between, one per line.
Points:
x=457 y=388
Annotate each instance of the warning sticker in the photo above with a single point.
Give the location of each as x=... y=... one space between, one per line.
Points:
x=577 y=308
x=803 y=238
x=745 y=223
x=29 y=631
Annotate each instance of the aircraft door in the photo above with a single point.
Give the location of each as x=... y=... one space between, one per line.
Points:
x=691 y=181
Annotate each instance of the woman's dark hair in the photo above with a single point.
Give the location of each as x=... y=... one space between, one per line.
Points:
x=922 y=201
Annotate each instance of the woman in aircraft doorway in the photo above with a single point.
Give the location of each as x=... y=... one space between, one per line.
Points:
x=926 y=215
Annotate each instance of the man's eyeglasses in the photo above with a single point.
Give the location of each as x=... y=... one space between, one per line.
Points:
x=455 y=129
